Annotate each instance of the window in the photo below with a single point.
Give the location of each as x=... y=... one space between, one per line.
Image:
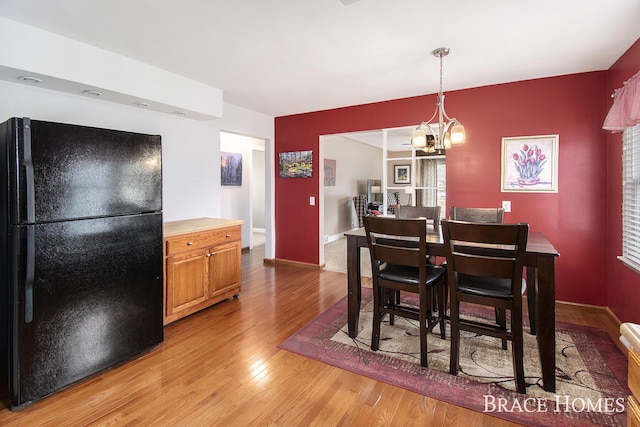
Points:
x=432 y=181
x=631 y=197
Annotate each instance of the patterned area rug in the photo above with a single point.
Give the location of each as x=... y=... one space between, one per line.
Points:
x=590 y=374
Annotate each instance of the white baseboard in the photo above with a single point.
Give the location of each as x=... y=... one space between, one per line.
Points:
x=333 y=238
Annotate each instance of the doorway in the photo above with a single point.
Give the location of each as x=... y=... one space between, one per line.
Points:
x=246 y=199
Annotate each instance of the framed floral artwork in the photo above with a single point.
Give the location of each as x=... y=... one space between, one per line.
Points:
x=530 y=164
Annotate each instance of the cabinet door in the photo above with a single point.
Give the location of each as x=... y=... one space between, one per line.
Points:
x=224 y=268
x=186 y=280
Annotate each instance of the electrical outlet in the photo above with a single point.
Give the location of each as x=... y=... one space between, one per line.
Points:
x=506 y=205
x=312 y=201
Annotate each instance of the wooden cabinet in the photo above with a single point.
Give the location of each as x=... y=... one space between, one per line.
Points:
x=633 y=408
x=202 y=264
x=631 y=334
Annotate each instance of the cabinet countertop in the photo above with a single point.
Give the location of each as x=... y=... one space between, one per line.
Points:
x=176 y=228
x=631 y=334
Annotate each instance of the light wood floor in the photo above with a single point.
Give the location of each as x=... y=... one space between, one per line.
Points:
x=222 y=367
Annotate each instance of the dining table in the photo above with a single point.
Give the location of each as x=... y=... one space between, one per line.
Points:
x=541 y=290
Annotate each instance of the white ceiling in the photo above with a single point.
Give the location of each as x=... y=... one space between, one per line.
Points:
x=282 y=57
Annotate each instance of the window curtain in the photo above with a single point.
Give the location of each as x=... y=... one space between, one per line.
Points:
x=428 y=177
x=625 y=111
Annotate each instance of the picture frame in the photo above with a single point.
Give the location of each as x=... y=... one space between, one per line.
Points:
x=529 y=164
x=402 y=174
x=296 y=164
x=231 y=169
x=329 y=172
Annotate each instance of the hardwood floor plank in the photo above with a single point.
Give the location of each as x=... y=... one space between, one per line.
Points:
x=222 y=366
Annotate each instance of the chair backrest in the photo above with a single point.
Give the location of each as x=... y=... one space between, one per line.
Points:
x=492 y=215
x=431 y=213
x=428 y=212
x=486 y=250
x=360 y=206
x=396 y=241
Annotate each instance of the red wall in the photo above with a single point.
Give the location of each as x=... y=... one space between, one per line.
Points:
x=623 y=283
x=572 y=106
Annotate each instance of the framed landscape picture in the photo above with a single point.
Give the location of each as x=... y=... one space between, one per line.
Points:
x=530 y=164
x=402 y=174
x=231 y=169
x=296 y=164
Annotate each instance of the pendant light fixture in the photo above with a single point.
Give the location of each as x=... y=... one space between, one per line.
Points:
x=448 y=130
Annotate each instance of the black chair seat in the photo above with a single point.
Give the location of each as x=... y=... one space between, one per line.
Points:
x=409 y=275
x=484 y=286
x=487 y=286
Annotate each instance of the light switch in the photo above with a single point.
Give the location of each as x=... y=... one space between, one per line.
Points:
x=312 y=201
x=506 y=205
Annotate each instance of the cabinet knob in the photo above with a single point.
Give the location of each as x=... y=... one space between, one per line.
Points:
x=190 y=244
x=208 y=255
x=228 y=236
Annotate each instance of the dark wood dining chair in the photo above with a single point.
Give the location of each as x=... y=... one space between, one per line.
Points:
x=484 y=266
x=496 y=215
x=492 y=215
x=430 y=213
x=398 y=249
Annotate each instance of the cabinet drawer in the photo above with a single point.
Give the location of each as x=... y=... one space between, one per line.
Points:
x=203 y=239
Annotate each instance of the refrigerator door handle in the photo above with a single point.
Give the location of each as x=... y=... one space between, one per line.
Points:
x=28 y=171
x=30 y=274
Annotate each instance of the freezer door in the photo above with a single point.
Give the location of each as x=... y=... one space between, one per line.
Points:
x=88 y=295
x=64 y=172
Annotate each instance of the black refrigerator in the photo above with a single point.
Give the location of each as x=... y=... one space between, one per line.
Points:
x=80 y=252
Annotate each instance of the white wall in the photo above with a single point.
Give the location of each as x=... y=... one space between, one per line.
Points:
x=355 y=163
x=258 y=189
x=191 y=148
x=237 y=201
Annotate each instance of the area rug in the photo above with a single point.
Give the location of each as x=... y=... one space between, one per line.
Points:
x=591 y=370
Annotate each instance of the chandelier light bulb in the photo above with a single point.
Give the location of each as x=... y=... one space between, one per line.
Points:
x=447 y=140
x=419 y=138
x=457 y=134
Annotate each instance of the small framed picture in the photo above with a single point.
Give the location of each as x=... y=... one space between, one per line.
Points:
x=402 y=174
x=231 y=169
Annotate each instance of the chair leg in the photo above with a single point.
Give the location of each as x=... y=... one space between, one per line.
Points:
x=375 y=334
x=393 y=300
x=501 y=320
x=441 y=295
x=518 y=351
x=424 y=319
x=454 y=354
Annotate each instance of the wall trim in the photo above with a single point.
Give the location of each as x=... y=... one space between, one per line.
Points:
x=279 y=261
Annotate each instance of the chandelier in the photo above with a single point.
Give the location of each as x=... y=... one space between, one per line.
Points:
x=431 y=136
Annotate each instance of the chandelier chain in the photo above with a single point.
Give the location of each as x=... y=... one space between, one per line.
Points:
x=440 y=92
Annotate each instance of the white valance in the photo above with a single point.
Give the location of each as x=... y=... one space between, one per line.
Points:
x=625 y=111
